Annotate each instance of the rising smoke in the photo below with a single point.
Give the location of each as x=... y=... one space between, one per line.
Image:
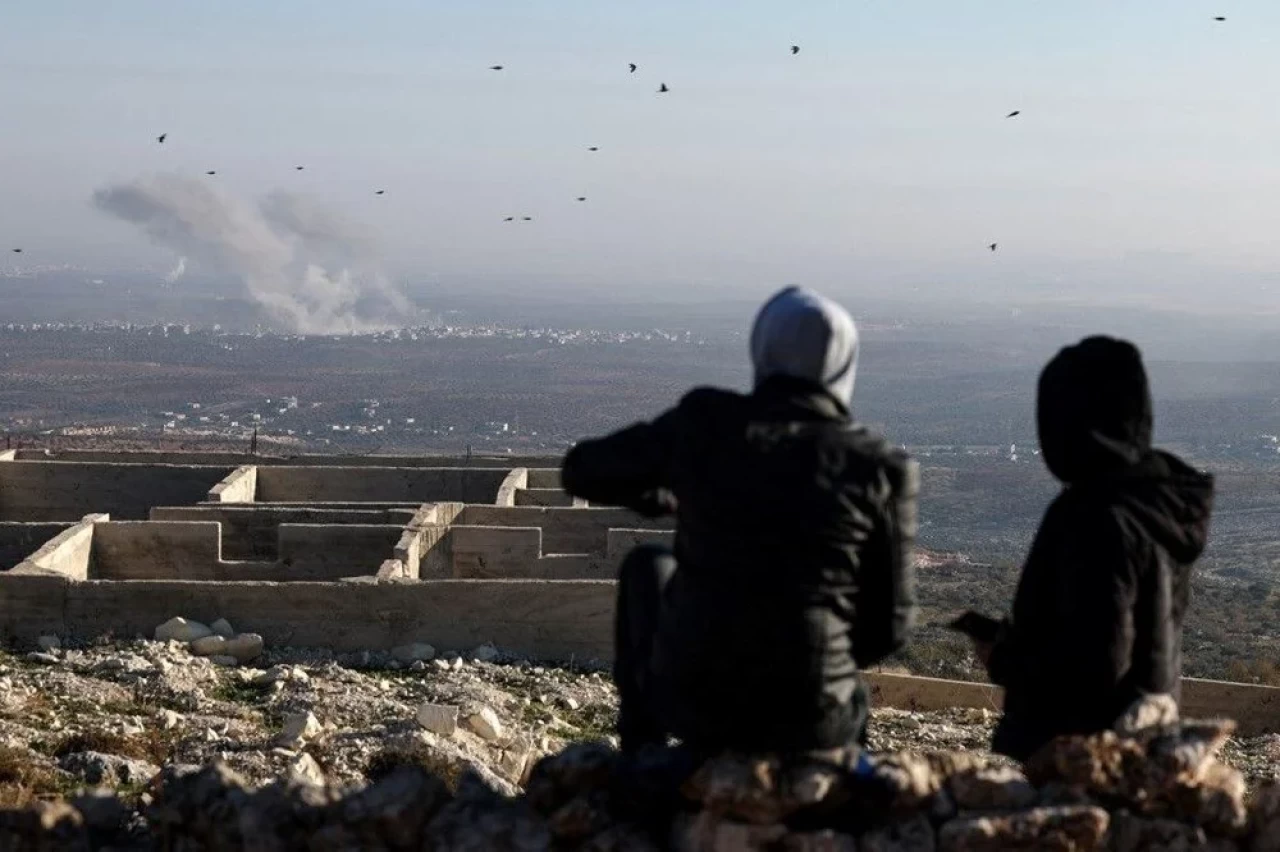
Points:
x=175 y=274
x=310 y=270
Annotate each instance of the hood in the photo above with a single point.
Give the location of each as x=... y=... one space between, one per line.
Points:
x=1094 y=416
x=803 y=335
x=1171 y=500
x=1093 y=410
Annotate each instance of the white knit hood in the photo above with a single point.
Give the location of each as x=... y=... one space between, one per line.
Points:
x=802 y=334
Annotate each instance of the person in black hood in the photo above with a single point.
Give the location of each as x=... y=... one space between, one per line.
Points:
x=1097 y=617
x=792 y=560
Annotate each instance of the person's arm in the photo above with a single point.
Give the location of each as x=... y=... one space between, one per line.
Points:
x=885 y=603
x=1096 y=582
x=629 y=468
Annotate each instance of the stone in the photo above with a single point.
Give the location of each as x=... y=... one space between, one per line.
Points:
x=208 y=646
x=456 y=665
x=413 y=653
x=181 y=630
x=244 y=647
x=1264 y=816
x=43 y=657
x=223 y=628
x=1131 y=833
x=1049 y=828
x=991 y=788
x=299 y=727
x=742 y=788
x=48 y=643
x=912 y=835
x=168 y=719
x=1148 y=712
x=571 y=703
x=418 y=666
x=223 y=660
x=485 y=724
x=439 y=719
x=275 y=674
x=818 y=841
x=108 y=769
x=442 y=665
x=486 y=653
x=304 y=768
x=707 y=832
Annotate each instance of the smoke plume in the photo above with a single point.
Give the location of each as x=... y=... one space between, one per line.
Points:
x=175 y=274
x=309 y=269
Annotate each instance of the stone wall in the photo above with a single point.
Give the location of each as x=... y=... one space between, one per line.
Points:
x=564 y=529
x=1157 y=787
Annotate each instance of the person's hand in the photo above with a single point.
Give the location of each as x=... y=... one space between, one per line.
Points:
x=982 y=650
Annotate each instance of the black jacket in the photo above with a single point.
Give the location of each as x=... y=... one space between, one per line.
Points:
x=1097 y=618
x=793 y=539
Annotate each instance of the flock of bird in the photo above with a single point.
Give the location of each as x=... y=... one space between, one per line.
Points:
x=632 y=68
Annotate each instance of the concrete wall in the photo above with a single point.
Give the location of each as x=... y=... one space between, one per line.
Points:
x=318 y=552
x=20 y=540
x=514 y=481
x=239 y=486
x=621 y=542
x=61 y=491
x=251 y=532
x=564 y=530
x=181 y=457
x=378 y=485
x=544 y=477
x=67 y=554
x=153 y=550
x=544 y=497
x=537 y=620
x=494 y=552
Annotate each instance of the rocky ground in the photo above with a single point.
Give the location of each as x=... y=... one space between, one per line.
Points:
x=111 y=713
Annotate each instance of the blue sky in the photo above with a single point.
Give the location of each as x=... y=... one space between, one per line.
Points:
x=880 y=155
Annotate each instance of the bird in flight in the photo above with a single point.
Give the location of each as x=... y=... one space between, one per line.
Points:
x=663 y=88
x=381 y=192
x=1014 y=113
x=17 y=251
x=495 y=67
x=162 y=137
x=593 y=148
x=795 y=48
x=582 y=198
x=993 y=246
x=527 y=218
x=298 y=168
x=211 y=172
x=632 y=66
x=509 y=219
x=1219 y=18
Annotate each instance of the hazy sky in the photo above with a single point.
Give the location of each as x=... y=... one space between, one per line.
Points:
x=1147 y=155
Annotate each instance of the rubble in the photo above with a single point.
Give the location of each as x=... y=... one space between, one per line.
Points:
x=505 y=765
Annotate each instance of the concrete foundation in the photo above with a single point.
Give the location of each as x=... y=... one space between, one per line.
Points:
x=359 y=554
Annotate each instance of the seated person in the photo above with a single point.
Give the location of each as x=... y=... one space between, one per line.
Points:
x=792 y=560
x=1097 y=618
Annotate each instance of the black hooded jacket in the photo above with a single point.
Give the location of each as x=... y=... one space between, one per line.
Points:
x=1097 y=618
x=793 y=538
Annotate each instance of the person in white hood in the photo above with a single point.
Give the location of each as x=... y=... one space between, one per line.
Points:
x=792 y=560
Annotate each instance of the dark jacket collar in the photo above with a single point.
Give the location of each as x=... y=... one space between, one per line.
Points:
x=788 y=398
